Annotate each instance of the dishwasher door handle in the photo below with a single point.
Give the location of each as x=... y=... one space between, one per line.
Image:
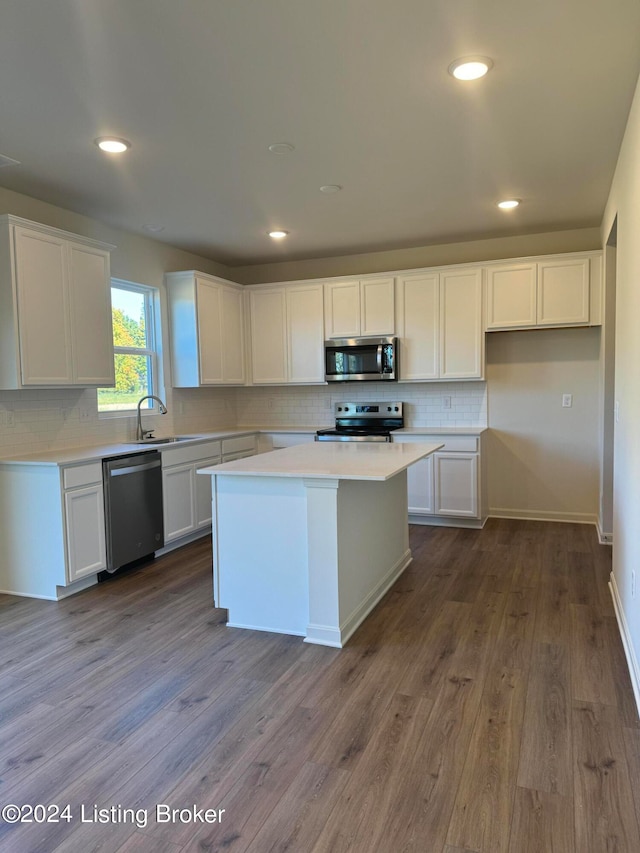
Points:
x=133 y=469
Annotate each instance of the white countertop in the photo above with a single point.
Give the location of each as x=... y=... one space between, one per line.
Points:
x=95 y=453
x=327 y=460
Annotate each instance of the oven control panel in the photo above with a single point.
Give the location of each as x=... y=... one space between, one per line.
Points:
x=369 y=410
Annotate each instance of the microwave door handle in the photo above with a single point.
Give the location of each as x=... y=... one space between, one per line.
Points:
x=379 y=358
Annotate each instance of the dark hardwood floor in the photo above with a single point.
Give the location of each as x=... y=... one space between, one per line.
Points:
x=484 y=706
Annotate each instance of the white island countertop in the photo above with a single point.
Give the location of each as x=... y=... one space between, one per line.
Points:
x=335 y=460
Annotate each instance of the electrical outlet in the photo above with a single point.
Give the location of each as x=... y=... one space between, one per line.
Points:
x=10 y=418
x=85 y=415
x=446 y=402
x=567 y=401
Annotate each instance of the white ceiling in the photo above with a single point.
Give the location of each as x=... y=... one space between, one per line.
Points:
x=359 y=87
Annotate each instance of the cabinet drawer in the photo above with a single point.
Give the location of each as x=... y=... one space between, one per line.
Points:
x=450 y=443
x=458 y=444
x=241 y=444
x=183 y=454
x=82 y=475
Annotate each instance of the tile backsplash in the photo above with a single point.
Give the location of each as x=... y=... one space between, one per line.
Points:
x=38 y=420
x=425 y=403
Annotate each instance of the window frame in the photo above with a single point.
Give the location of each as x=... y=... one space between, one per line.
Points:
x=152 y=351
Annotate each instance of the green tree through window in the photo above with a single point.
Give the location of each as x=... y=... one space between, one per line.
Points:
x=134 y=350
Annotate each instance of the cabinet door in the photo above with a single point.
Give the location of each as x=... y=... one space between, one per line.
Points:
x=268 y=337
x=178 y=489
x=203 y=493
x=456 y=484
x=511 y=296
x=342 y=309
x=563 y=292
x=85 y=533
x=90 y=312
x=377 y=308
x=418 y=326
x=209 y=299
x=461 y=329
x=43 y=310
x=305 y=330
x=420 y=487
x=232 y=337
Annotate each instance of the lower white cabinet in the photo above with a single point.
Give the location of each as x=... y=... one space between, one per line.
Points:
x=186 y=495
x=446 y=487
x=52 y=535
x=84 y=531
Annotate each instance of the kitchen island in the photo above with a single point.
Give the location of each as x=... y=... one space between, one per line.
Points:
x=307 y=540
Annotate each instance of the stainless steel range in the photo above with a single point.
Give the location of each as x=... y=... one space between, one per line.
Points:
x=364 y=422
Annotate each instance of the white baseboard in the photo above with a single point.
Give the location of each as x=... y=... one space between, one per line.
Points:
x=545 y=515
x=361 y=612
x=632 y=661
x=603 y=538
x=446 y=521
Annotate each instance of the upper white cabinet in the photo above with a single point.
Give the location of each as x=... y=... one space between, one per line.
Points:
x=55 y=308
x=207 y=330
x=359 y=308
x=440 y=325
x=287 y=334
x=562 y=291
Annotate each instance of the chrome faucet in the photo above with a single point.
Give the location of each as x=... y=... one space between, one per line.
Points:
x=161 y=408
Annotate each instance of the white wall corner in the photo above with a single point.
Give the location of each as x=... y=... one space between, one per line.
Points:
x=632 y=661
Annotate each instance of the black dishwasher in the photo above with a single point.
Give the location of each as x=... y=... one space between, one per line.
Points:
x=133 y=507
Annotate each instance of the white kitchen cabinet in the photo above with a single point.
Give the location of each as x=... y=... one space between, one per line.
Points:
x=268 y=315
x=186 y=495
x=461 y=332
x=446 y=487
x=278 y=440
x=557 y=291
x=85 y=531
x=455 y=484
x=440 y=325
x=361 y=308
x=206 y=321
x=420 y=487
x=287 y=334
x=52 y=531
x=178 y=500
x=55 y=308
x=185 y=502
x=238 y=447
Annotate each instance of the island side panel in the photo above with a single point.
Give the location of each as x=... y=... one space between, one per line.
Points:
x=358 y=547
x=260 y=552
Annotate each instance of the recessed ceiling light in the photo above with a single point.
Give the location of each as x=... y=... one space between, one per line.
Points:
x=508 y=203
x=155 y=229
x=470 y=67
x=330 y=188
x=112 y=145
x=281 y=148
x=278 y=235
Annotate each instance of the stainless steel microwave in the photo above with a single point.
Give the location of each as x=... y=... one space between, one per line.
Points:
x=358 y=359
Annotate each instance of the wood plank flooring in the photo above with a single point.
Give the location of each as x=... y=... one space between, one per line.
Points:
x=484 y=706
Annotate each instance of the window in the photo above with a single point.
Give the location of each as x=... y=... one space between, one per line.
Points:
x=135 y=354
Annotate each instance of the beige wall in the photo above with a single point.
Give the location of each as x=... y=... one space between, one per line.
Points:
x=548 y=243
x=543 y=458
x=624 y=202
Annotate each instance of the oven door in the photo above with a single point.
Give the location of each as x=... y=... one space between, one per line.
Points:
x=357 y=359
